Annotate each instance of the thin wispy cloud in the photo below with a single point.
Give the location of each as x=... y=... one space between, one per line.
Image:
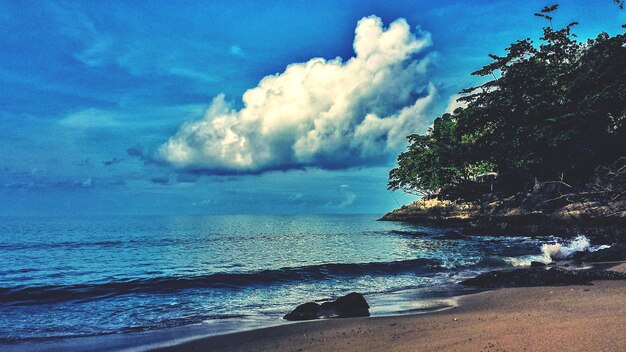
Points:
x=348 y=196
x=90 y=119
x=95 y=46
x=235 y=50
x=112 y=161
x=161 y=180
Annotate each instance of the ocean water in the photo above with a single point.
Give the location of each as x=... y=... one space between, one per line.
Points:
x=88 y=276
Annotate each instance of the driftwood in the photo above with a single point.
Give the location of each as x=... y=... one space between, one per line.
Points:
x=607 y=185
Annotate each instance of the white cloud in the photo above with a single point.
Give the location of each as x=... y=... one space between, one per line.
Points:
x=322 y=113
x=454 y=104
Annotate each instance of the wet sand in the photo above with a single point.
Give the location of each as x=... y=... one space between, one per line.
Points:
x=563 y=318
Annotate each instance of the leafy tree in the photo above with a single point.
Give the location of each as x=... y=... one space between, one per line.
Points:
x=436 y=160
x=430 y=161
x=553 y=111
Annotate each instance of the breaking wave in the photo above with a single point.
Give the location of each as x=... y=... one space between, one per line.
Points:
x=24 y=295
x=556 y=251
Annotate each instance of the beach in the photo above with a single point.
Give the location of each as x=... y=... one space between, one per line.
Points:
x=229 y=288
x=130 y=276
x=563 y=318
x=312 y=176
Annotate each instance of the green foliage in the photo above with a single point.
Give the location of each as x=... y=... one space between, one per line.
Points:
x=556 y=111
x=480 y=167
x=431 y=160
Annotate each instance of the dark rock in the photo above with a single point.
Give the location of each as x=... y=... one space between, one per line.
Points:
x=541 y=277
x=330 y=305
x=579 y=254
x=327 y=310
x=409 y=233
x=537 y=264
x=350 y=305
x=541 y=212
x=451 y=235
x=615 y=253
x=306 y=311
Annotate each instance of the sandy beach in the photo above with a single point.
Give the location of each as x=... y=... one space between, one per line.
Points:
x=563 y=318
x=351 y=175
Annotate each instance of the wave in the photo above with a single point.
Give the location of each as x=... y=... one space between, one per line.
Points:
x=527 y=260
x=67 y=245
x=556 y=251
x=24 y=295
x=413 y=233
x=565 y=250
x=490 y=262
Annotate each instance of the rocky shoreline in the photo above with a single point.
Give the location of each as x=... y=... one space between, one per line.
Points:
x=557 y=273
x=583 y=314
x=532 y=214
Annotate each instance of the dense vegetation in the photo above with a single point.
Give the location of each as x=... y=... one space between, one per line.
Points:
x=553 y=111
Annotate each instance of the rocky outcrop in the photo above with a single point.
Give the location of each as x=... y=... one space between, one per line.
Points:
x=348 y=306
x=615 y=253
x=435 y=212
x=528 y=277
x=544 y=211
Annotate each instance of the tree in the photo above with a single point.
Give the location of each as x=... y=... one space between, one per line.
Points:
x=552 y=112
x=436 y=160
x=431 y=160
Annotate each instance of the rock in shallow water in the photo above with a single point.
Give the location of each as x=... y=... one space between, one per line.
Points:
x=305 y=311
x=540 y=277
x=352 y=305
x=616 y=252
x=452 y=235
x=348 y=306
x=537 y=264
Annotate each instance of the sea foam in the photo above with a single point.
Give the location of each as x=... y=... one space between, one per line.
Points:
x=556 y=251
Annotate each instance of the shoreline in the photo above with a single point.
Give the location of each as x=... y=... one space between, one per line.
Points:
x=463 y=325
x=601 y=223
x=574 y=318
x=390 y=304
x=512 y=319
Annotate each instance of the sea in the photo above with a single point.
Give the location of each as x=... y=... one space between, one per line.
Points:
x=70 y=278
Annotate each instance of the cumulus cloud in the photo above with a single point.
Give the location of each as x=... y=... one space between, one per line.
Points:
x=320 y=113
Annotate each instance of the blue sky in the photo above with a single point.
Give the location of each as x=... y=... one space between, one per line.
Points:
x=98 y=98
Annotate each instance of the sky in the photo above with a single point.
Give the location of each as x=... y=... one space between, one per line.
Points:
x=237 y=107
